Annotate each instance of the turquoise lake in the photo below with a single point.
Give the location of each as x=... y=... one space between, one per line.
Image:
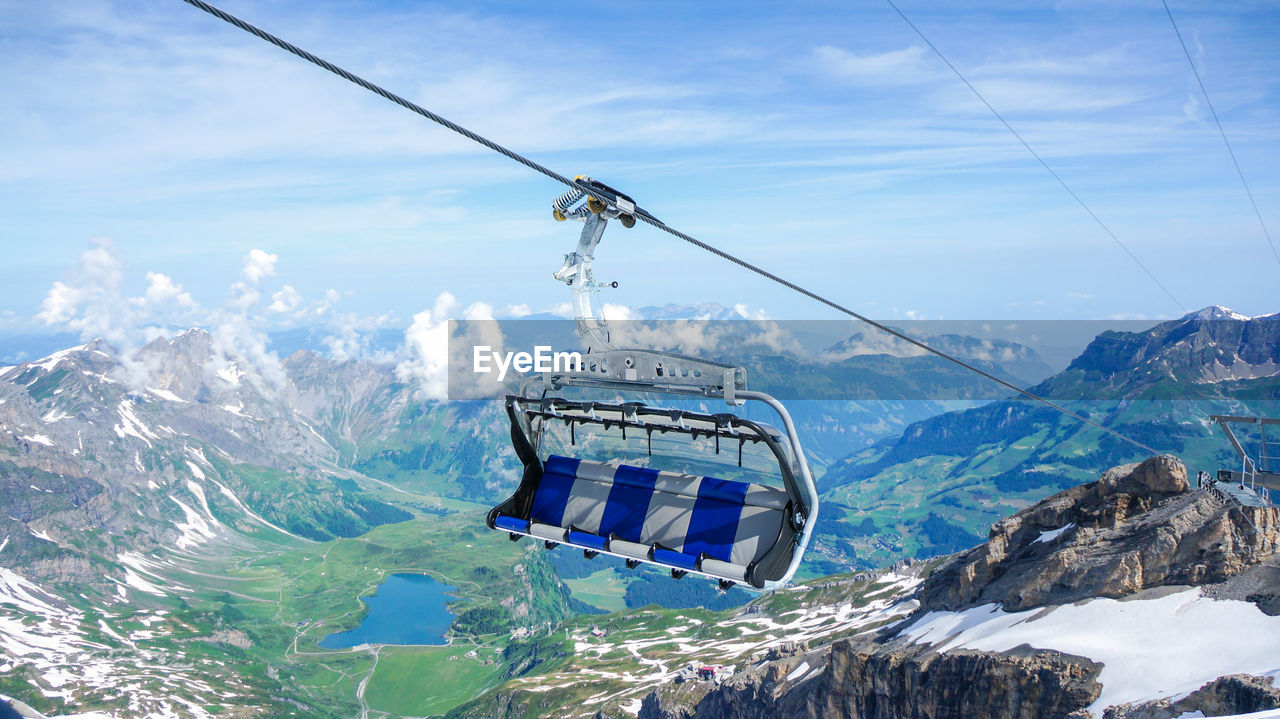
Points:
x=407 y=609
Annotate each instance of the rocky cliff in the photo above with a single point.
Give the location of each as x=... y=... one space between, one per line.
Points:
x=860 y=680
x=1136 y=527
x=1139 y=533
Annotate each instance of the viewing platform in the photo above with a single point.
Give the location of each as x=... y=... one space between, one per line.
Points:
x=1243 y=496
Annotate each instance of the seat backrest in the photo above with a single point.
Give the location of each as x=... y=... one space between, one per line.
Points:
x=732 y=521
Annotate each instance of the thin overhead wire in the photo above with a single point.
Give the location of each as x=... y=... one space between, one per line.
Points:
x=644 y=216
x=1222 y=132
x=1036 y=155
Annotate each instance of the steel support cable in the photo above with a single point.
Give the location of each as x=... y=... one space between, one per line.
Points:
x=1222 y=132
x=889 y=330
x=356 y=79
x=1036 y=155
x=291 y=48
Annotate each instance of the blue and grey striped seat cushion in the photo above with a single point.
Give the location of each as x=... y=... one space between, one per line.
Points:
x=688 y=516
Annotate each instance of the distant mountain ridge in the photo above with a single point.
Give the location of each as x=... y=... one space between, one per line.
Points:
x=948 y=477
x=147 y=499
x=1169 y=360
x=1010 y=358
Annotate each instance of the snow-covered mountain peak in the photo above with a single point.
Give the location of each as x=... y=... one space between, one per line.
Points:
x=1217 y=312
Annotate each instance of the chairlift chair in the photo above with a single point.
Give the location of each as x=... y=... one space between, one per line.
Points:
x=732 y=531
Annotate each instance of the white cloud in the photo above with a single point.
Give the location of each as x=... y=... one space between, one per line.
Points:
x=615 y=313
x=331 y=297
x=745 y=312
x=1191 y=108
x=237 y=337
x=163 y=291
x=90 y=303
x=703 y=337
x=891 y=68
x=1032 y=94
x=259 y=265
x=239 y=334
x=59 y=304
x=349 y=334
x=426 y=357
x=286 y=300
x=91 y=300
x=478 y=312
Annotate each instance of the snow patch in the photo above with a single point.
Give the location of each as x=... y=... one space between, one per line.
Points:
x=106 y=629
x=166 y=395
x=237 y=410
x=1218 y=312
x=798 y=672
x=1053 y=534
x=137 y=582
x=1201 y=640
x=244 y=508
x=38 y=439
x=132 y=426
x=231 y=374
x=48 y=363
x=759 y=633
x=198 y=454
x=313 y=430
x=135 y=566
x=40 y=630
x=195 y=530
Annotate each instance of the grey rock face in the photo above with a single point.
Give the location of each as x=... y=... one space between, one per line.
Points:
x=1138 y=526
x=1224 y=696
x=866 y=680
x=95 y=463
x=914 y=681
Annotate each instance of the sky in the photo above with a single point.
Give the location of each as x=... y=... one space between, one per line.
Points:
x=164 y=165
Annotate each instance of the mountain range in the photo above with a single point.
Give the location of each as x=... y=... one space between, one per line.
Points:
x=937 y=487
x=181 y=527
x=164 y=507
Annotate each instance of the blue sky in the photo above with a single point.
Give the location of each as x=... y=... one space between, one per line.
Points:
x=822 y=140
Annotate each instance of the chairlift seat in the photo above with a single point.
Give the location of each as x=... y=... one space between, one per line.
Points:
x=722 y=528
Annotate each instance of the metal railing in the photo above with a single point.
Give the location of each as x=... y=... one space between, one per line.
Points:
x=1249 y=472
